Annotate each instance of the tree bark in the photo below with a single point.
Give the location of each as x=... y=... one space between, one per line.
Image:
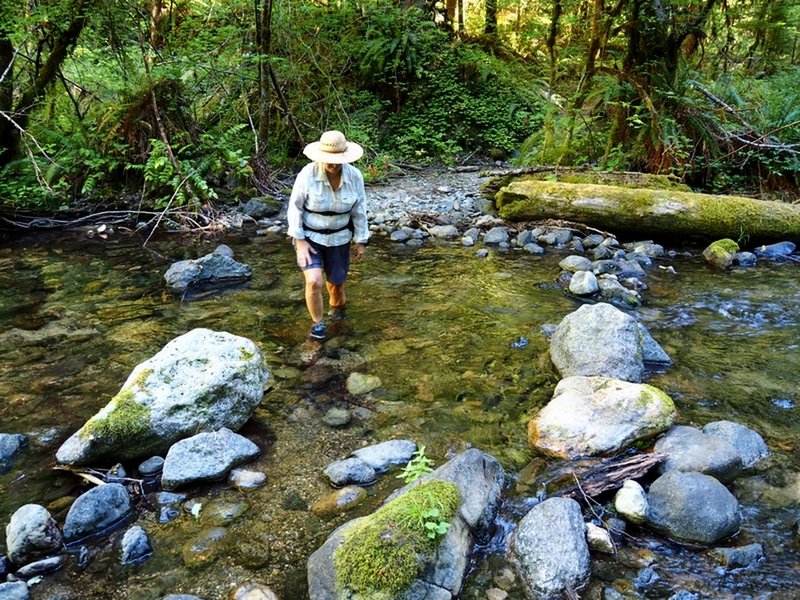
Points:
x=650 y=211
x=6 y=96
x=490 y=22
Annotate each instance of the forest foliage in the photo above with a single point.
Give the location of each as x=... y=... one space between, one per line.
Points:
x=190 y=102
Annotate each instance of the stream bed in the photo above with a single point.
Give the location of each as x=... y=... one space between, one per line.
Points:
x=437 y=326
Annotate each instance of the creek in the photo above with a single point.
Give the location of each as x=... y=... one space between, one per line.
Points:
x=436 y=325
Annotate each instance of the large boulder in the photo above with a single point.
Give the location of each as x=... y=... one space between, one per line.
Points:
x=600 y=339
x=549 y=548
x=201 y=381
x=692 y=507
x=689 y=449
x=478 y=479
x=597 y=415
x=32 y=534
x=217 y=268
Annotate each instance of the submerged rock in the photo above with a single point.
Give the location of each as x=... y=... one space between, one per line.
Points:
x=549 y=547
x=10 y=445
x=200 y=381
x=737 y=558
x=596 y=415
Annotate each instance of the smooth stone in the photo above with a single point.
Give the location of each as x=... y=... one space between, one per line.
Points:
x=14 y=590
x=482 y=253
x=445 y=232
x=31 y=534
x=533 y=248
x=243 y=479
x=135 y=546
x=339 y=501
x=496 y=235
x=386 y=454
x=203 y=549
x=362 y=383
x=689 y=449
x=574 y=263
x=336 y=417
x=750 y=445
x=41 y=567
x=630 y=502
x=583 y=283
x=97 y=511
x=599 y=539
x=350 y=471
x=152 y=466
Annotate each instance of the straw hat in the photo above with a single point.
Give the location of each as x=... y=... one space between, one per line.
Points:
x=333 y=148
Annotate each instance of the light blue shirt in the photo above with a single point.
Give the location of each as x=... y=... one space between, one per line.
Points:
x=315 y=205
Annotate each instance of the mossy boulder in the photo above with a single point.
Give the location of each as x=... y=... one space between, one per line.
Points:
x=720 y=254
x=201 y=381
x=388 y=555
x=649 y=211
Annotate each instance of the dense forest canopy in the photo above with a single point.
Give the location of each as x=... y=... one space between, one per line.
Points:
x=189 y=101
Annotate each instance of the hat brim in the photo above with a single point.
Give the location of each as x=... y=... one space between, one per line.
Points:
x=351 y=153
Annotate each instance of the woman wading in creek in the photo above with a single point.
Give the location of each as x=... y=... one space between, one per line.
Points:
x=327 y=210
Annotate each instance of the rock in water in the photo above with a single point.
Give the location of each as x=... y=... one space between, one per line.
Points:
x=219 y=267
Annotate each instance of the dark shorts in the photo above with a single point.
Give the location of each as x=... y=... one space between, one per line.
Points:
x=334 y=260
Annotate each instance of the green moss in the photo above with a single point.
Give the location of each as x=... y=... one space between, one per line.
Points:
x=123 y=420
x=141 y=379
x=381 y=555
x=246 y=355
x=651 y=394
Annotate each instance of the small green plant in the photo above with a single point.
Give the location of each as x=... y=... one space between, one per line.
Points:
x=434 y=525
x=418 y=466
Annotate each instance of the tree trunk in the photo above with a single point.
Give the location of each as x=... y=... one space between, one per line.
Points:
x=264 y=43
x=650 y=211
x=490 y=23
x=34 y=94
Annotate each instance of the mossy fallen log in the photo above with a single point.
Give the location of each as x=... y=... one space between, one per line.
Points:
x=650 y=211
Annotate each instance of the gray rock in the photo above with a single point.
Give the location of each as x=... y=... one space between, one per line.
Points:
x=599 y=539
x=41 y=567
x=612 y=291
x=574 y=263
x=97 y=511
x=473 y=233
x=496 y=235
x=741 y=557
x=593 y=240
x=745 y=259
x=648 y=248
x=135 y=546
x=336 y=417
x=362 y=383
x=638 y=257
x=482 y=253
x=776 y=250
x=646 y=578
x=750 y=445
x=576 y=245
x=602 y=252
x=15 y=590
x=599 y=339
x=467 y=241
x=549 y=547
x=387 y=454
x=31 y=534
x=415 y=243
x=588 y=416
x=401 y=235
x=445 y=232
x=532 y=248
x=652 y=352
x=205 y=457
x=583 y=283
x=258 y=209
x=200 y=381
x=524 y=237
x=212 y=269
x=10 y=445
x=350 y=471
x=152 y=466
x=692 y=507
x=689 y=449
x=555 y=237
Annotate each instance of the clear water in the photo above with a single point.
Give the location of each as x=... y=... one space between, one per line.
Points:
x=436 y=325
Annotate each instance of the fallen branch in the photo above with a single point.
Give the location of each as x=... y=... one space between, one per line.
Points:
x=610 y=474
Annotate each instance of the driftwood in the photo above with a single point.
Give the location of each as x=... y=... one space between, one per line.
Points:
x=597 y=476
x=654 y=212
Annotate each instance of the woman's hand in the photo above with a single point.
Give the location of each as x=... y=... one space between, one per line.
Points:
x=358 y=251
x=304 y=250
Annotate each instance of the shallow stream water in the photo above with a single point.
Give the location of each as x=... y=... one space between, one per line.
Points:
x=436 y=325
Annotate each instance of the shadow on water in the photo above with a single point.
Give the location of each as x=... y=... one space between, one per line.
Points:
x=441 y=329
